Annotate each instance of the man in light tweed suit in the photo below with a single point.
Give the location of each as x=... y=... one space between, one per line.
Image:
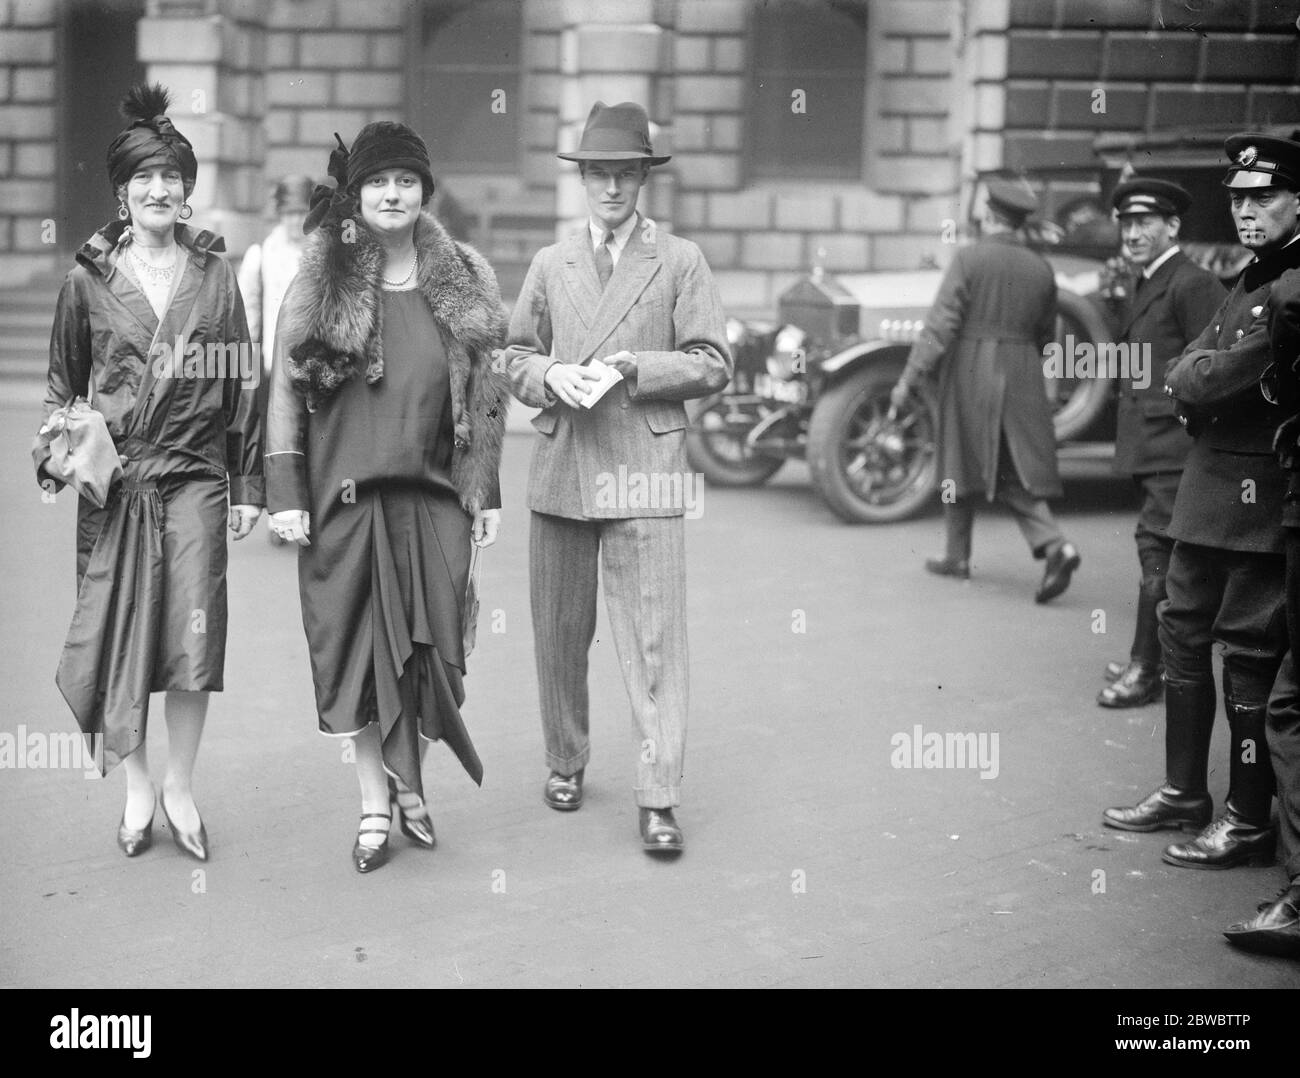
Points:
x=607 y=482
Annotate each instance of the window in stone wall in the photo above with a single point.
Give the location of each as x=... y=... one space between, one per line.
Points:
x=807 y=89
x=465 y=83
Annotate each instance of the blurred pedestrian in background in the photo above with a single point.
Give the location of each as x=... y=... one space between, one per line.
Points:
x=1171 y=304
x=151 y=564
x=264 y=276
x=984 y=337
x=386 y=428
x=269 y=266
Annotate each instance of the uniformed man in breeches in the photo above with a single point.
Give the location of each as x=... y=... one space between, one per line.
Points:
x=1172 y=301
x=1226 y=574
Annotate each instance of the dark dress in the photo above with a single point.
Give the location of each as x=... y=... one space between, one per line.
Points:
x=384 y=578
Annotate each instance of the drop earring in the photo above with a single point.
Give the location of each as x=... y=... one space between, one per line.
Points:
x=123 y=213
x=187 y=211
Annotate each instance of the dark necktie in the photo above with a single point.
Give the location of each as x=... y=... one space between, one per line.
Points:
x=604 y=260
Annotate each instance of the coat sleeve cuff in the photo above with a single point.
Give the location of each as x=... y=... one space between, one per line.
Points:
x=247 y=490
x=286 y=482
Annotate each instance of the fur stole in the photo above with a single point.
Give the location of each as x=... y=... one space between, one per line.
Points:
x=333 y=332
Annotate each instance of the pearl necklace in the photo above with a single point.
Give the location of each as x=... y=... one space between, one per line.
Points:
x=415 y=261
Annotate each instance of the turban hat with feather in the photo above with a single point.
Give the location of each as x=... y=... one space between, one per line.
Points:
x=150 y=140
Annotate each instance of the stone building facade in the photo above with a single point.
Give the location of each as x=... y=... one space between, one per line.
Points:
x=844 y=132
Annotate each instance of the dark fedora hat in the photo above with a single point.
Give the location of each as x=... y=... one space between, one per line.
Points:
x=615 y=133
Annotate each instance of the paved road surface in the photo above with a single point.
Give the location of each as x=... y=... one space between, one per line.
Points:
x=811 y=860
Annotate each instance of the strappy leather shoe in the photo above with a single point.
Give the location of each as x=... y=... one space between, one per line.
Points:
x=659 y=831
x=368 y=858
x=132 y=842
x=564 y=792
x=412 y=818
x=195 y=843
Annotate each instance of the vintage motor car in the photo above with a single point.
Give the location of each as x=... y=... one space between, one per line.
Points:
x=814 y=383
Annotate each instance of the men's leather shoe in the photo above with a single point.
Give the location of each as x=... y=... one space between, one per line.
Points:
x=1167 y=809
x=1137 y=686
x=1061 y=564
x=954 y=567
x=659 y=831
x=1275 y=929
x=563 y=792
x=1229 y=841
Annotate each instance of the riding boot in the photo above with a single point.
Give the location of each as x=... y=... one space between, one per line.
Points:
x=1140 y=682
x=1183 y=802
x=1243 y=834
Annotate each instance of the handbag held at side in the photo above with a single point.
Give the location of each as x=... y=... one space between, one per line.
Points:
x=82 y=453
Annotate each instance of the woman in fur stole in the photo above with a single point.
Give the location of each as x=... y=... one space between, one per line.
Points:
x=384 y=438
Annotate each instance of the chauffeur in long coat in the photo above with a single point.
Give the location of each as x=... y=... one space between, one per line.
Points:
x=1227 y=572
x=1172 y=301
x=985 y=334
x=643 y=302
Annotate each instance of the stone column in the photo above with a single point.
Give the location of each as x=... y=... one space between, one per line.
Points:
x=211 y=55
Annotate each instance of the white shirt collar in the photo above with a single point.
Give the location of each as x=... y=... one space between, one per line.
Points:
x=621 y=235
x=1155 y=264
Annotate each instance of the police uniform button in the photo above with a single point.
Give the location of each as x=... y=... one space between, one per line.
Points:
x=1240 y=333
x=1183 y=420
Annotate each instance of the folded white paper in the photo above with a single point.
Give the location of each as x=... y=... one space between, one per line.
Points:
x=595 y=390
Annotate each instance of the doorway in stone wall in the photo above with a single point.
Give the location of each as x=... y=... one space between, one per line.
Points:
x=97 y=61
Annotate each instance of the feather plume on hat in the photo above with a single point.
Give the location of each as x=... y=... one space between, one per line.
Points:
x=149 y=137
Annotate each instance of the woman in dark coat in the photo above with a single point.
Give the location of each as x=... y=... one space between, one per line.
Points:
x=385 y=432
x=150 y=327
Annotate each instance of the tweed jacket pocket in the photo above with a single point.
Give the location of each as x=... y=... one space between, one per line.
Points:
x=667 y=416
x=545 y=421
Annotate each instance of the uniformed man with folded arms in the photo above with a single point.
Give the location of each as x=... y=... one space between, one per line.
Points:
x=1226 y=573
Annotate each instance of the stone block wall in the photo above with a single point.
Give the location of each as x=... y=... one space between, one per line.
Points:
x=29 y=151
x=211 y=58
x=1066 y=72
